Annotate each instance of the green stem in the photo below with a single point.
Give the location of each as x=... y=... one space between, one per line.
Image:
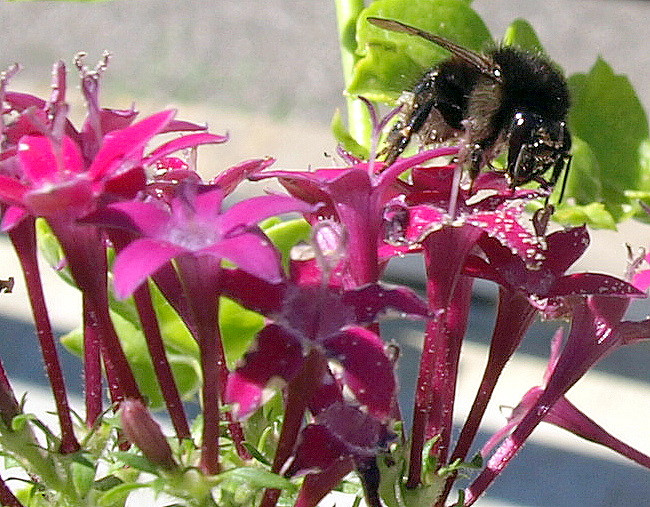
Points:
x=22 y=446
x=347 y=13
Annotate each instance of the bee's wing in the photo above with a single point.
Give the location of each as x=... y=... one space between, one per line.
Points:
x=483 y=63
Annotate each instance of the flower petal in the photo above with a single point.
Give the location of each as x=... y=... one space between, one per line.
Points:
x=251 y=211
x=564 y=248
x=338 y=432
x=373 y=299
x=40 y=162
x=122 y=149
x=277 y=354
x=11 y=190
x=182 y=143
x=233 y=176
x=592 y=284
x=566 y=415
x=367 y=370
x=502 y=223
x=253 y=292
x=137 y=261
x=144 y=218
x=252 y=252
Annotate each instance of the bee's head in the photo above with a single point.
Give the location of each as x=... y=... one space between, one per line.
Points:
x=535 y=145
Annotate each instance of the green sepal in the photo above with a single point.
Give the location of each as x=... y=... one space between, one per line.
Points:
x=345 y=139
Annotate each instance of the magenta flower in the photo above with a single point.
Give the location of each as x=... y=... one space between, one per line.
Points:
x=56 y=181
x=193 y=230
x=522 y=293
x=355 y=197
x=49 y=169
x=193 y=224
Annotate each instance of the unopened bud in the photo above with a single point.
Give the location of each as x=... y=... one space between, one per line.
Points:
x=145 y=433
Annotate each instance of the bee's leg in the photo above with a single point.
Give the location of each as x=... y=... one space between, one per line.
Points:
x=476 y=161
x=555 y=175
x=416 y=107
x=401 y=134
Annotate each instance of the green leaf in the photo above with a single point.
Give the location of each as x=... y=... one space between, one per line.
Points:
x=19 y=422
x=584 y=183
x=644 y=162
x=185 y=367
x=608 y=116
x=257 y=477
x=238 y=329
x=51 y=249
x=594 y=214
x=136 y=461
x=83 y=476
x=256 y=454
x=424 y=495
x=118 y=494
x=286 y=234
x=521 y=34
x=177 y=338
x=107 y=482
x=393 y=62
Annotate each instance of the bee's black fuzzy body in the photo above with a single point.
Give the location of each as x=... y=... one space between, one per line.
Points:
x=505 y=96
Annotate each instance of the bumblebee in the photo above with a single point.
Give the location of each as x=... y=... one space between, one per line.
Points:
x=503 y=97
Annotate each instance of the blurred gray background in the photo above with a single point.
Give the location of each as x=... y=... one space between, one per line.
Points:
x=278 y=57
x=268 y=72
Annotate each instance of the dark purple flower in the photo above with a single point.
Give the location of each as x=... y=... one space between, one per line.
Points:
x=329 y=318
x=549 y=280
x=596 y=330
x=429 y=205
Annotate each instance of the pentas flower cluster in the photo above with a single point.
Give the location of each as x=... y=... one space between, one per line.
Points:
x=319 y=352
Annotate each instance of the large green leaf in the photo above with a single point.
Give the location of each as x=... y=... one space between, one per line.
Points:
x=608 y=116
x=521 y=34
x=393 y=62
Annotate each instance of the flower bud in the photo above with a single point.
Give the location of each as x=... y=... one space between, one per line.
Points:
x=140 y=429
